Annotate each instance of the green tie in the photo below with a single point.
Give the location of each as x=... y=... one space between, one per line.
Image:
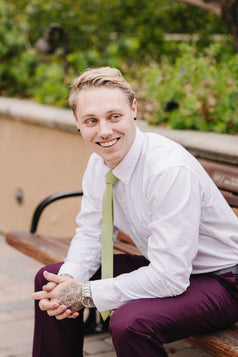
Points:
x=107 y=231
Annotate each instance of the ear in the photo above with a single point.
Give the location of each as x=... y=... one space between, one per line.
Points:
x=134 y=107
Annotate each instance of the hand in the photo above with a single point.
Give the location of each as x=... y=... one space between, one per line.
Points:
x=60 y=297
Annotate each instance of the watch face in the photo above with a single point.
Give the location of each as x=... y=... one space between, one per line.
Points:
x=87 y=302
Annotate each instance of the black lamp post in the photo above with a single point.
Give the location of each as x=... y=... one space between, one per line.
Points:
x=49 y=42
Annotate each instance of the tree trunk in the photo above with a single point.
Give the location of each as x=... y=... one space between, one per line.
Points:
x=212 y=6
x=230 y=17
x=226 y=9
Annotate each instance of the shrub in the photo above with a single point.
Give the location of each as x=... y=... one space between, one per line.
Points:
x=49 y=85
x=199 y=91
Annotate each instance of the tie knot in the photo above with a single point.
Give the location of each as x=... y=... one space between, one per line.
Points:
x=111 y=178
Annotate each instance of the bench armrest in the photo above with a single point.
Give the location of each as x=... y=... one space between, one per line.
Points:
x=48 y=200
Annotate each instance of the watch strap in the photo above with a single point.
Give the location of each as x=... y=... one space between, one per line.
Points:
x=87 y=294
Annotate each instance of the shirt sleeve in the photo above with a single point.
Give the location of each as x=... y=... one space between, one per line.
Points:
x=175 y=201
x=84 y=255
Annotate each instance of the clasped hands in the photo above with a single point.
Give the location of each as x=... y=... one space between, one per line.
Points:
x=60 y=297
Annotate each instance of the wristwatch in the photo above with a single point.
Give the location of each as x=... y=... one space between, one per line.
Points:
x=87 y=299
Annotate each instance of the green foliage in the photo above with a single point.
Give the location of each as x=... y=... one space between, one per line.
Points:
x=22 y=71
x=129 y=35
x=135 y=27
x=205 y=90
x=49 y=86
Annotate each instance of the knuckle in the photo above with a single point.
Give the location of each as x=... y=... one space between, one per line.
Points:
x=50 y=312
x=41 y=305
x=59 y=317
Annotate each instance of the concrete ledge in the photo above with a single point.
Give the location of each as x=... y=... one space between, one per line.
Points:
x=213 y=146
x=37 y=114
x=220 y=147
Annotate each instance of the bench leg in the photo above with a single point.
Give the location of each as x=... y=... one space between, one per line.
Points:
x=94 y=323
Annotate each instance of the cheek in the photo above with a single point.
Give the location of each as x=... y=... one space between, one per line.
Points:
x=87 y=135
x=131 y=131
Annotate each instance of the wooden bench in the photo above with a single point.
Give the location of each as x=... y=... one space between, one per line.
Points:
x=48 y=250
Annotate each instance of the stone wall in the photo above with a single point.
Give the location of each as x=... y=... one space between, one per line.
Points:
x=37 y=161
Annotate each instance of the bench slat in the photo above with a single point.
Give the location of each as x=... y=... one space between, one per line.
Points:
x=220 y=343
x=225 y=176
x=51 y=250
x=126 y=248
x=230 y=198
x=45 y=249
x=235 y=210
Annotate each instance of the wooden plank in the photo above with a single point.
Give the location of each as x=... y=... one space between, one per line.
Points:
x=45 y=249
x=225 y=176
x=219 y=343
x=125 y=238
x=126 y=248
x=225 y=181
x=235 y=210
x=231 y=199
x=50 y=250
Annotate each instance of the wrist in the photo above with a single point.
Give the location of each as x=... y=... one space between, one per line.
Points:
x=87 y=299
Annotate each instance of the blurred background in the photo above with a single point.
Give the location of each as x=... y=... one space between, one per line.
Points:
x=180 y=58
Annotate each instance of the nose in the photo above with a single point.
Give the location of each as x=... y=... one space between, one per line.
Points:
x=105 y=130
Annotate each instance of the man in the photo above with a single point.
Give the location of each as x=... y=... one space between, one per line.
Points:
x=186 y=281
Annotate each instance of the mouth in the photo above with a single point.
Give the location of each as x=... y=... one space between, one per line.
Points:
x=109 y=143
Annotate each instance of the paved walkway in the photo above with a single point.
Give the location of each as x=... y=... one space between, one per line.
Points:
x=17 y=315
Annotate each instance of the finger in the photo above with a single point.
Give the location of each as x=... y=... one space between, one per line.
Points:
x=56 y=312
x=73 y=315
x=53 y=277
x=64 y=315
x=46 y=304
x=49 y=286
x=38 y=295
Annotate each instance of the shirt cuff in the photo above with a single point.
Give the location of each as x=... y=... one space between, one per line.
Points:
x=104 y=296
x=74 y=271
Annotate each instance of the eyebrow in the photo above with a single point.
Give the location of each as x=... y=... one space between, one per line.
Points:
x=88 y=115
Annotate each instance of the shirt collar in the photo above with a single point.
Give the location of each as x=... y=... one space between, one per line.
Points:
x=123 y=171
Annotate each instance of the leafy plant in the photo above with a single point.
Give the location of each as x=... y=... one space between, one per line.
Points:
x=197 y=91
x=201 y=88
x=49 y=86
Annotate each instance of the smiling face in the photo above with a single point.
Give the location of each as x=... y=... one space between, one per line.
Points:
x=106 y=121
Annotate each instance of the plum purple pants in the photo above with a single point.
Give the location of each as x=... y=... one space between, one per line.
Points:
x=139 y=328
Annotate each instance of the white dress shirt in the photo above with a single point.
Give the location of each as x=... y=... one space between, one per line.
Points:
x=166 y=202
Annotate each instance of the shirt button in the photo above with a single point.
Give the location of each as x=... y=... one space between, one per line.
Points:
x=120 y=195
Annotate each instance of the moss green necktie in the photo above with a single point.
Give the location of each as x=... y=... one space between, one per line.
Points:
x=107 y=230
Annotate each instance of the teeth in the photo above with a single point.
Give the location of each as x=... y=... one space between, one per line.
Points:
x=109 y=143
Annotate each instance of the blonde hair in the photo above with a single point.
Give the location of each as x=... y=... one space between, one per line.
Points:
x=100 y=77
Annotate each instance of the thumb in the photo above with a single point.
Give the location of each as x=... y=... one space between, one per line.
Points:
x=53 y=277
x=49 y=286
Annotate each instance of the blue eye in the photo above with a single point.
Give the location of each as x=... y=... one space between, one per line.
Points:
x=91 y=121
x=115 y=116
